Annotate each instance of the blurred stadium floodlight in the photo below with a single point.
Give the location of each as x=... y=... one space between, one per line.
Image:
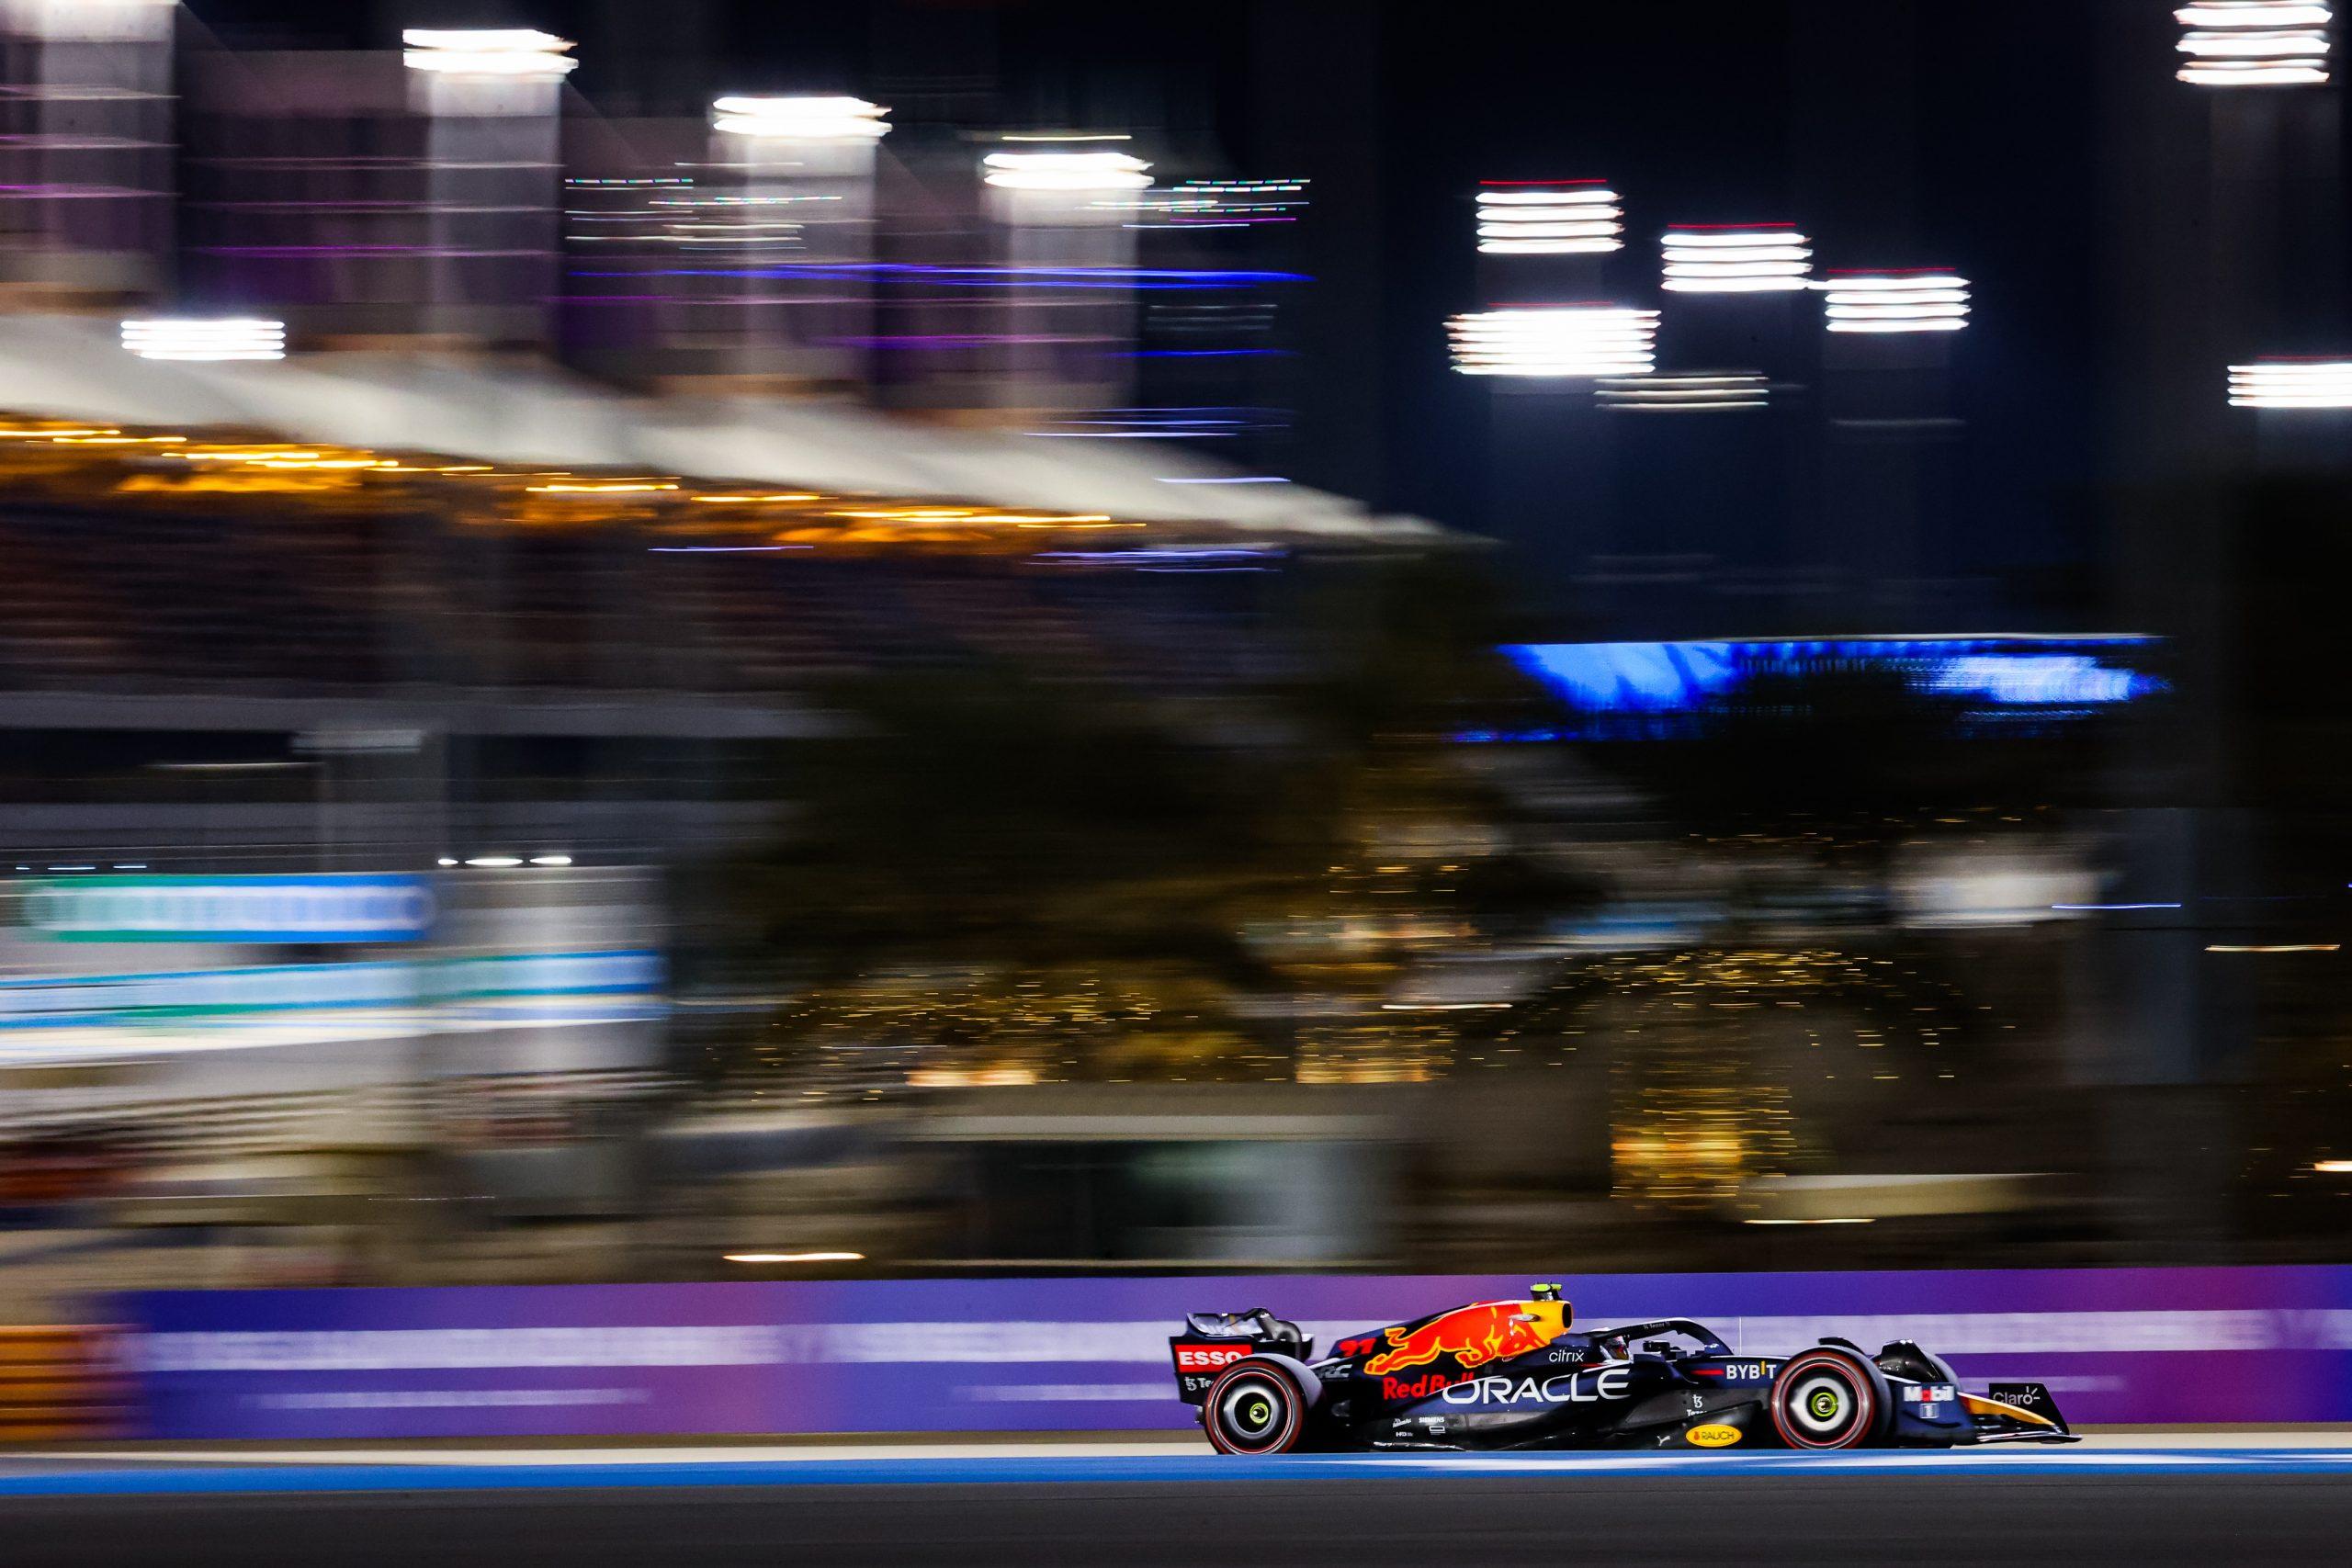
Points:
x=89 y=21
x=1690 y=393
x=487 y=51
x=2254 y=43
x=2291 y=384
x=1554 y=341
x=87 y=166
x=189 y=337
x=1530 y=218
x=1065 y=211
x=490 y=98
x=788 y=174
x=801 y=119
x=1715 y=260
x=1075 y=172
x=1896 y=301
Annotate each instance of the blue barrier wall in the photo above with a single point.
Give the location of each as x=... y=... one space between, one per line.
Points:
x=2187 y=1345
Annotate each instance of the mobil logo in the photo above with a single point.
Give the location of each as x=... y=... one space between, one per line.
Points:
x=1473 y=1335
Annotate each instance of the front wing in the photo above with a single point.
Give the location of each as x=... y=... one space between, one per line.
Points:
x=2015 y=1412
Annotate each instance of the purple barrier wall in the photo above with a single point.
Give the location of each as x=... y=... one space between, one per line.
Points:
x=2247 y=1345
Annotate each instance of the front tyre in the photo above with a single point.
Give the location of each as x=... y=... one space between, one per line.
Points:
x=1827 y=1399
x=1256 y=1406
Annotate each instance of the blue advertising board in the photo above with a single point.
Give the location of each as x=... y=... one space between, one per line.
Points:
x=321 y=907
x=2269 y=1345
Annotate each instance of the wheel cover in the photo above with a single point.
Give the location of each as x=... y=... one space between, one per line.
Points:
x=1250 y=1410
x=1822 y=1403
x=1254 y=1411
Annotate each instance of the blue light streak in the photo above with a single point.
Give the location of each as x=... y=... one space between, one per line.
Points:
x=2046 y=673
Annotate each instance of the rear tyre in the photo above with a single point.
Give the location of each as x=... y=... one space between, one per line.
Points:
x=1827 y=1399
x=1256 y=1406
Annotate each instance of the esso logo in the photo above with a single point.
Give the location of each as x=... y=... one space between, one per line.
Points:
x=1206 y=1359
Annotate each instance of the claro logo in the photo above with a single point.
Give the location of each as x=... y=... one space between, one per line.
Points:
x=1565 y=1388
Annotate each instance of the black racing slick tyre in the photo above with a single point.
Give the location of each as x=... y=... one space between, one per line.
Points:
x=1258 y=1405
x=1829 y=1399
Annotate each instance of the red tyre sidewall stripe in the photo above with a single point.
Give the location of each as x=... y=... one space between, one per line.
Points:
x=1294 y=1404
x=1862 y=1395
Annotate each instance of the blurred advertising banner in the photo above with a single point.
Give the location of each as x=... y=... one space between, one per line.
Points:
x=58 y=1382
x=2266 y=1344
x=546 y=986
x=326 y=907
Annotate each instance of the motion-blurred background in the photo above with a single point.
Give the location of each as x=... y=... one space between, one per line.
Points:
x=940 y=638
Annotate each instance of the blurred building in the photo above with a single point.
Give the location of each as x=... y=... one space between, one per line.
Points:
x=581 y=505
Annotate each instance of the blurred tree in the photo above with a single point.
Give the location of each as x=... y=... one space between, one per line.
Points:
x=1080 y=859
x=1853 y=757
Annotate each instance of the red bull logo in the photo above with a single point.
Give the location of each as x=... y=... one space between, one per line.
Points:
x=1473 y=1335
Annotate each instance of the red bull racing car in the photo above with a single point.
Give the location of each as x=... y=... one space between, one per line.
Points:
x=1515 y=1375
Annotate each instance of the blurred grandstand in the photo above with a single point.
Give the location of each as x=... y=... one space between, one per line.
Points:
x=370 y=611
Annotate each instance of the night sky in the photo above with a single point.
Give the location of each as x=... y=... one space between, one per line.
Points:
x=1961 y=133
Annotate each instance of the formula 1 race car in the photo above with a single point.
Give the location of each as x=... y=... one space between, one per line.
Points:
x=1514 y=1375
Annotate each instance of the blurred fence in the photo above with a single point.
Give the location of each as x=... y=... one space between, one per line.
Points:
x=2116 y=1346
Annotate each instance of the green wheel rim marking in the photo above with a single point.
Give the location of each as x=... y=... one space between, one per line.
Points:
x=1824 y=1402
x=1258 y=1413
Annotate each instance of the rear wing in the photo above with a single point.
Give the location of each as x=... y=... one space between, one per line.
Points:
x=1213 y=1340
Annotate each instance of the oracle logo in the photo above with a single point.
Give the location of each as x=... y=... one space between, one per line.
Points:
x=1614 y=1383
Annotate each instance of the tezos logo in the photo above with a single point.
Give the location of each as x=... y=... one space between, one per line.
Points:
x=1565 y=1388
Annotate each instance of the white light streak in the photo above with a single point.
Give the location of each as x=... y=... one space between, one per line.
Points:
x=2254 y=43
x=1737 y=260
x=1554 y=341
x=2291 y=384
x=1896 y=302
x=1550 y=219
x=187 y=337
x=494 y=52
x=2253 y=13
x=1549 y=247
x=801 y=119
x=1065 y=171
x=1691 y=392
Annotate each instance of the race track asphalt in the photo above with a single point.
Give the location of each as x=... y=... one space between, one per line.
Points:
x=2088 y=1517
